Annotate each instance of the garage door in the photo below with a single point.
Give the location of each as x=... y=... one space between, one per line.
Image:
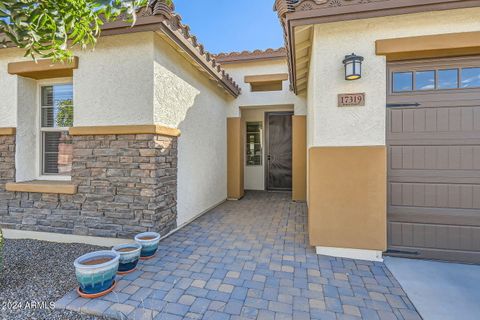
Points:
x=433 y=138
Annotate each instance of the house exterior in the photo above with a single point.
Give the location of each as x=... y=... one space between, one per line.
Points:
x=166 y=131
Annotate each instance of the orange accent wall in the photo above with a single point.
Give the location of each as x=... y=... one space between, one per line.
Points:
x=299 y=158
x=348 y=197
x=431 y=46
x=235 y=168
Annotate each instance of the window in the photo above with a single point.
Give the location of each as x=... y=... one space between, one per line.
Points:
x=448 y=79
x=439 y=79
x=254 y=144
x=425 y=80
x=56 y=117
x=402 y=81
x=471 y=78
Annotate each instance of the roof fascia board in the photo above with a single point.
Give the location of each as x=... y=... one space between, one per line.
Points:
x=185 y=45
x=378 y=9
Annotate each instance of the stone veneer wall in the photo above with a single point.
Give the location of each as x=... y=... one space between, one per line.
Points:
x=126 y=185
x=7 y=171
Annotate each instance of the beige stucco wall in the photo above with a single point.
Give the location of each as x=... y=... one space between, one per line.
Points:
x=357 y=126
x=8 y=91
x=135 y=79
x=114 y=83
x=27 y=131
x=112 y=86
x=271 y=98
x=186 y=99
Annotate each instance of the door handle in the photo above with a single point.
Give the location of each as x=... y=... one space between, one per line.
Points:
x=399 y=105
x=269 y=157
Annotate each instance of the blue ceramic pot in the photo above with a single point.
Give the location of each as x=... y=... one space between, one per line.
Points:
x=129 y=256
x=96 y=271
x=149 y=242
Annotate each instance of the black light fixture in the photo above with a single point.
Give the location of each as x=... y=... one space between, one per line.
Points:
x=353 y=67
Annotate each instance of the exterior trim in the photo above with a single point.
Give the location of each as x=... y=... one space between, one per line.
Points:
x=299 y=158
x=369 y=255
x=129 y=129
x=235 y=167
x=43 y=69
x=432 y=46
x=42 y=187
x=8 y=131
x=251 y=56
x=266 y=78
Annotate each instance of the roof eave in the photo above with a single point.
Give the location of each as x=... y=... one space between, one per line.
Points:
x=292 y=15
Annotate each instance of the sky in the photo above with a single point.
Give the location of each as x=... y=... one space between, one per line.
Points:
x=232 y=25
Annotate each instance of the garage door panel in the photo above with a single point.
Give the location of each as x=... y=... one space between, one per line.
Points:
x=444 y=157
x=435 y=176
x=434 y=215
x=435 y=195
x=434 y=120
x=454 y=98
x=413 y=235
x=433 y=140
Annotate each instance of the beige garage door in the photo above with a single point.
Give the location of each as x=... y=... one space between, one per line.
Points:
x=433 y=138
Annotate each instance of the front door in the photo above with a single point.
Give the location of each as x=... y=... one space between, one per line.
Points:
x=279 y=150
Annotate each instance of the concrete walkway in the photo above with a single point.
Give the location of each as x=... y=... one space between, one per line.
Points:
x=250 y=259
x=440 y=290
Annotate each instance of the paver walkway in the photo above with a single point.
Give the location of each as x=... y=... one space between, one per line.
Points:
x=250 y=259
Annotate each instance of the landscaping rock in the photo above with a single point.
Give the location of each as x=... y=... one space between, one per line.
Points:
x=36 y=274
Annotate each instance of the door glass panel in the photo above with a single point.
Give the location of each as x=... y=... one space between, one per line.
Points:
x=425 y=80
x=448 y=79
x=402 y=81
x=279 y=170
x=471 y=78
x=254 y=144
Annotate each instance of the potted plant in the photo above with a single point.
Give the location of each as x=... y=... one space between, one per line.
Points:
x=149 y=242
x=129 y=256
x=96 y=273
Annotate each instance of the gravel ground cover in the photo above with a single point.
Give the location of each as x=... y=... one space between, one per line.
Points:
x=35 y=275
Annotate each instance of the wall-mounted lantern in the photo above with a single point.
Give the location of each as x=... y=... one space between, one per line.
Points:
x=353 y=67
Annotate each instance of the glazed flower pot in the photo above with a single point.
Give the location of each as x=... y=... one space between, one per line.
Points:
x=96 y=273
x=129 y=256
x=149 y=242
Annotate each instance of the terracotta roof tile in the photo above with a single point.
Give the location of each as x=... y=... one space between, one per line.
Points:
x=174 y=22
x=243 y=56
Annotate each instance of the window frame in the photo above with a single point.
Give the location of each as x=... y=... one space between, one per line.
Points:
x=41 y=156
x=458 y=63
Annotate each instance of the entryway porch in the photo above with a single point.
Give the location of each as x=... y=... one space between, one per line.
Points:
x=250 y=259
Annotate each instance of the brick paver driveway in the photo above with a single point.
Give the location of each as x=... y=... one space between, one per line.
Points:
x=250 y=259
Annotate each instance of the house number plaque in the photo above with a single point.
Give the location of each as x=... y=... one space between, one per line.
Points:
x=351 y=100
